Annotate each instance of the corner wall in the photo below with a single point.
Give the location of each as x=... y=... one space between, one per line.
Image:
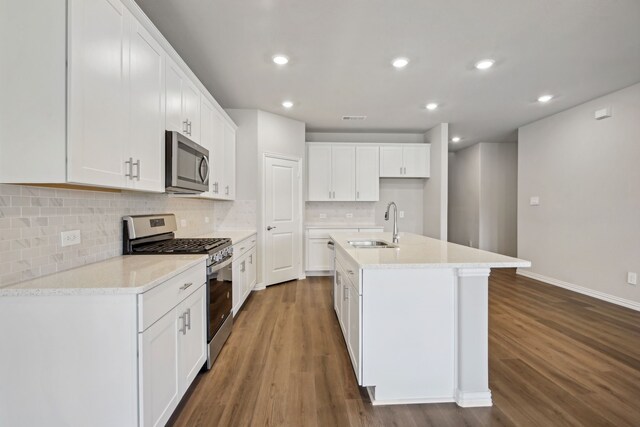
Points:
x=435 y=199
x=586 y=231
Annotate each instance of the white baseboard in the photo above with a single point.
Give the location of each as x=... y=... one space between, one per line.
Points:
x=374 y=402
x=473 y=400
x=259 y=287
x=320 y=273
x=581 y=289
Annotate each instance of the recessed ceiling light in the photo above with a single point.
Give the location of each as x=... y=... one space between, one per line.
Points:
x=456 y=139
x=287 y=104
x=400 y=62
x=545 y=98
x=280 y=59
x=431 y=106
x=485 y=64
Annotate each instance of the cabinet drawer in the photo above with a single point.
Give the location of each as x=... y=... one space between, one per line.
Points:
x=243 y=246
x=152 y=305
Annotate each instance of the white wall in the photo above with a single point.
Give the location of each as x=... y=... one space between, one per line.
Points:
x=464 y=196
x=586 y=231
x=499 y=197
x=246 y=149
x=435 y=200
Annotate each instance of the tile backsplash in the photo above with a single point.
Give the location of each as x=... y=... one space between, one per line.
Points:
x=335 y=213
x=236 y=215
x=31 y=219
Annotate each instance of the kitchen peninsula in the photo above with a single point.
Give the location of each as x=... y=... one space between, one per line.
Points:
x=415 y=316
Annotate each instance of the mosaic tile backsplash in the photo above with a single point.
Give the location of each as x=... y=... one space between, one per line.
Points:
x=31 y=219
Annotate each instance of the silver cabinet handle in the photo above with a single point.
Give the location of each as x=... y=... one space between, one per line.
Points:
x=189 y=126
x=242 y=267
x=400 y=170
x=215 y=187
x=251 y=259
x=183 y=329
x=187 y=317
x=130 y=163
x=226 y=190
x=269 y=228
x=350 y=272
x=185 y=286
x=345 y=293
x=338 y=278
x=329 y=193
x=185 y=126
x=357 y=194
x=137 y=175
x=330 y=244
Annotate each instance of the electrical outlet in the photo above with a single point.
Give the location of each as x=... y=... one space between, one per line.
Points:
x=534 y=201
x=401 y=214
x=70 y=238
x=323 y=216
x=183 y=223
x=206 y=220
x=349 y=215
x=632 y=278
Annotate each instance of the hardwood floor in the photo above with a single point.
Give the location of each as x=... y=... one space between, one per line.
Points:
x=556 y=358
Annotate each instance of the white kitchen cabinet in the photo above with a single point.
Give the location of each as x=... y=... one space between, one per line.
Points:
x=217 y=156
x=319 y=172
x=367 y=173
x=354 y=303
x=207 y=139
x=343 y=173
x=228 y=186
x=182 y=103
x=192 y=344
x=405 y=160
x=244 y=271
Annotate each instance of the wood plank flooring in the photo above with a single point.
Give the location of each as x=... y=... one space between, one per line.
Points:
x=556 y=358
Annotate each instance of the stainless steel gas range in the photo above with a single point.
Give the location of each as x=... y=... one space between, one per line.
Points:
x=155 y=234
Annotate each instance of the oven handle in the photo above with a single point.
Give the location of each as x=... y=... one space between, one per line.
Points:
x=218 y=267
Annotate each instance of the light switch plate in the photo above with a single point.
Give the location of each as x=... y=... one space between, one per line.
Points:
x=401 y=214
x=534 y=201
x=632 y=278
x=323 y=216
x=183 y=223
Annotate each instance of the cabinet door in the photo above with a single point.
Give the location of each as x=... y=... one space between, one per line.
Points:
x=216 y=156
x=207 y=136
x=319 y=172
x=367 y=174
x=146 y=85
x=174 y=120
x=229 y=162
x=158 y=367
x=343 y=172
x=191 y=109
x=416 y=160
x=192 y=343
x=353 y=341
x=319 y=256
x=251 y=272
x=97 y=124
x=391 y=161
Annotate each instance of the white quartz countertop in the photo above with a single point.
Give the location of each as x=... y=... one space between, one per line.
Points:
x=129 y=274
x=338 y=226
x=235 y=235
x=415 y=251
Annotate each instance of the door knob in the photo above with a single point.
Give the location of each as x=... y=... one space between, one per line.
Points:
x=269 y=228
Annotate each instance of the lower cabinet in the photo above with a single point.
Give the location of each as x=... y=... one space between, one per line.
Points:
x=319 y=256
x=244 y=271
x=348 y=307
x=173 y=350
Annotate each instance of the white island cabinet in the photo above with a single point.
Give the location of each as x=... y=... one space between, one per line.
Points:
x=116 y=343
x=415 y=317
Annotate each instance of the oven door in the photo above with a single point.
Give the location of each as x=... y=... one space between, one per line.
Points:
x=187 y=165
x=219 y=296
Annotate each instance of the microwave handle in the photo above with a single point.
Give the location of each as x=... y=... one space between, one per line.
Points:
x=206 y=161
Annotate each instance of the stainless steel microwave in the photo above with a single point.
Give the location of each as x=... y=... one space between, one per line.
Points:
x=187 y=165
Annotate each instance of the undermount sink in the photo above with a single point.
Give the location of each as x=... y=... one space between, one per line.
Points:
x=373 y=244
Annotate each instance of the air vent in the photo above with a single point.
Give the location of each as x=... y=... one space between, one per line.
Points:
x=354 y=117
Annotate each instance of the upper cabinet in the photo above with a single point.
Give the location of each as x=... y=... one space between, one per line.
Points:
x=108 y=86
x=182 y=103
x=405 y=160
x=342 y=172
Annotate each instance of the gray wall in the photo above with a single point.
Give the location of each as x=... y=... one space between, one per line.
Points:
x=483 y=197
x=586 y=230
x=436 y=193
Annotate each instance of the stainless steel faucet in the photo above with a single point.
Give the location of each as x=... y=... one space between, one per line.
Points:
x=395 y=220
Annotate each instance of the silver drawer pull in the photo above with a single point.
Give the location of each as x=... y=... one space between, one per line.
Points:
x=187 y=319
x=183 y=329
x=350 y=272
x=185 y=286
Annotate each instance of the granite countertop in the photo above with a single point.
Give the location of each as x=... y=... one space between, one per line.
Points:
x=129 y=274
x=235 y=235
x=416 y=251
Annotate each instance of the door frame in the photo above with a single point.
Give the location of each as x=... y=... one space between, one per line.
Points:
x=263 y=214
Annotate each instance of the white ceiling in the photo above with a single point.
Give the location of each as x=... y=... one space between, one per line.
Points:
x=341 y=52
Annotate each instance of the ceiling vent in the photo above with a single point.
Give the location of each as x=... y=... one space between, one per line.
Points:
x=354 y=117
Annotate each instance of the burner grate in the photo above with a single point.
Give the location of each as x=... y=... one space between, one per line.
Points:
x=181 y=246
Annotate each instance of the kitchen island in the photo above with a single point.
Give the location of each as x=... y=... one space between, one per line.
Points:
x=415 y=317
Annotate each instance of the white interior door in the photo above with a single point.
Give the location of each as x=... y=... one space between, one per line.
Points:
x=283 y=236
